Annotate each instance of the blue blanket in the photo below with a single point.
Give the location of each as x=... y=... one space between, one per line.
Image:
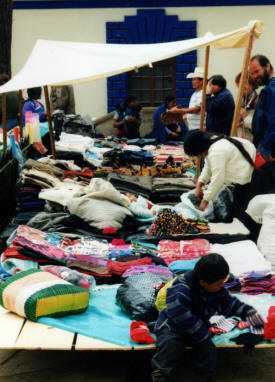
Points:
x=105 y=321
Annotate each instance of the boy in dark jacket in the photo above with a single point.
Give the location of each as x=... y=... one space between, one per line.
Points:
x=191 y=301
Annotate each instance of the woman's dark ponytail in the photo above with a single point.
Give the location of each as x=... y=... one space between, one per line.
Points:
x=237 y=144
x=197 y=142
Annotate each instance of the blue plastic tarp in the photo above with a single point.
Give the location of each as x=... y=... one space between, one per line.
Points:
x=105 y=321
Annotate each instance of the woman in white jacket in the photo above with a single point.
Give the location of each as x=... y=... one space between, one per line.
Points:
x=226 y=159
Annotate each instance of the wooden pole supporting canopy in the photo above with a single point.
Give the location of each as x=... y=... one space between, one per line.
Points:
x=47 y=99
x=20 y=102
x=203 y=103
x=243 y=80
x=4 y=122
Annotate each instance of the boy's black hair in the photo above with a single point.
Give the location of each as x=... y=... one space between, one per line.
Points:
x=129 y=98
x=211 y=268
x=34 y=93
x=169 y=98
x=219 y=80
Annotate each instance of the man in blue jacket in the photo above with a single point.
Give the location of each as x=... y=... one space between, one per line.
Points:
x=190 y=302
x=263 y=125
x=219 y=106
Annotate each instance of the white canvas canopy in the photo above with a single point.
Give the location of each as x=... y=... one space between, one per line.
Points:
x=60 y=63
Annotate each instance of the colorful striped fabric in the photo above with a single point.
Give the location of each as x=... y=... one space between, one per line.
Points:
x=36 y=293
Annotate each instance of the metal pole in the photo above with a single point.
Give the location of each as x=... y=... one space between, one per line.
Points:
x=20 y=101
x=47 y=99
x=243 y=80
x=203 y=103
x=4 y=122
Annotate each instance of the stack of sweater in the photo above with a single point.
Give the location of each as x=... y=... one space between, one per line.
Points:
x=138 y=185
x=259 y=282
x=167 y=190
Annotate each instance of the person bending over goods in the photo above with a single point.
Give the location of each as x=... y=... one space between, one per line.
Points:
x=226 y=159
x=190 y=302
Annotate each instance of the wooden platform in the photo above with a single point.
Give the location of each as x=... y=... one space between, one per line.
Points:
x=19 y=333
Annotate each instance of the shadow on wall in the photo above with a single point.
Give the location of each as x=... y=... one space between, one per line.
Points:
x=105 y=124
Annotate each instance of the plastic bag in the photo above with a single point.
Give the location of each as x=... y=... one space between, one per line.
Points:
x=137 y=296
x=192 y=205
x=262 y=209
x=218 y=210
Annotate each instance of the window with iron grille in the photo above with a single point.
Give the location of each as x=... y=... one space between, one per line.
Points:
x=151 y=85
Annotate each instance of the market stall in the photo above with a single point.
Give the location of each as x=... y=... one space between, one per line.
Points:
x=112 y=212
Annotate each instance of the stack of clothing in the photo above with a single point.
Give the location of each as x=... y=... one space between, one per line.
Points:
x=233 y=284
x=171 y=251
x=134 y=185
x=138 y=157
x=258 y=282
x=28 y=199
x=178 y=156
x=169 y=190
x=169 y=223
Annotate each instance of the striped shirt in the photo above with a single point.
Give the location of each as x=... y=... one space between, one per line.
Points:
x=189 y=308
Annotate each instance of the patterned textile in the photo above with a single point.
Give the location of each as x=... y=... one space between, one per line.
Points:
x=169 y=223
x=225 y=324
x=171 y=250
x=177 y=153
x=35 y=293
x=258 y=282
x=147 y=269
x=144 y=248
x=50 y=251
x=89 y=247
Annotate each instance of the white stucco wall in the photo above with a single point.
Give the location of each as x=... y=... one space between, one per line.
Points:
x=88 y=25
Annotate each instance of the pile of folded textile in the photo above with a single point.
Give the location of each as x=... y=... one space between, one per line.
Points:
x=176 y=153
x=171 y=251
x=167 y=190
x=135 y=185
x=258 y=282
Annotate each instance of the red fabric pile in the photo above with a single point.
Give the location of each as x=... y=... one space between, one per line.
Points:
x=269 y=326
x=118 y=268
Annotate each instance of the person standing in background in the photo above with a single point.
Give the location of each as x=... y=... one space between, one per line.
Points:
x=127 y=118
x=249 y=103
x=192 y=114
x=62 y=98
x=220 y=106
x=263 y=124
x=32 y=104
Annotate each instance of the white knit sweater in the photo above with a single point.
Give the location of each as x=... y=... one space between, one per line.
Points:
x=224 y=161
